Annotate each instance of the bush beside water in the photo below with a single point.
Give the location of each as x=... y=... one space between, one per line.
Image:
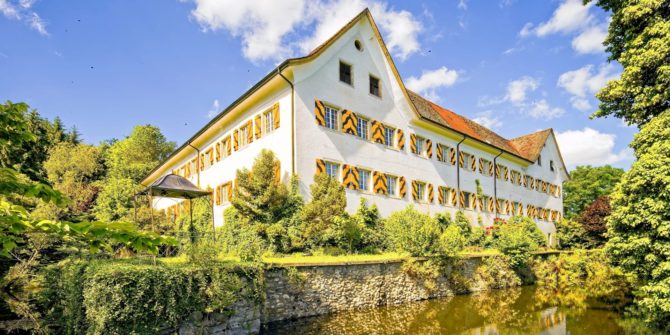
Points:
x=117 y=297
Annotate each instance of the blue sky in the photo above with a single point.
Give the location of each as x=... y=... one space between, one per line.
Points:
x=105 y=66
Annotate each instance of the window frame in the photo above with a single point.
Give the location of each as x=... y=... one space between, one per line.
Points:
x=467 y=158
x=336 y=122
x=243 y=137
x=393 y=137
x=367 y=183
x=390 y=177
x=421 y=191
x=351 y=73
x=337 y=166
x=379 y=85
x=420 y=150
x=360 y=119
x=487 y=165
x=466 y=200
x=267 y=126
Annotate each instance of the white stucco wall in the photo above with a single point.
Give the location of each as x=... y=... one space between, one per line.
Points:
x=279 y=141
x=319 y=79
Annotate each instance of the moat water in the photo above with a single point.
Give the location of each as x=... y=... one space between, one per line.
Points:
x=526 y=310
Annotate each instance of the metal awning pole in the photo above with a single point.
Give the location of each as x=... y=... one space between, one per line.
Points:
x=151 y=211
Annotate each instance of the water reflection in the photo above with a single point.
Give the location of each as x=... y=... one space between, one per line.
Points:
x=525 y=310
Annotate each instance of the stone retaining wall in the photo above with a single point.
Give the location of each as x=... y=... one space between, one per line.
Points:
x=308 y=290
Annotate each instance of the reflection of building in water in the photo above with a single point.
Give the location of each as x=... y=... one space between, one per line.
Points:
x=553 y=322
x=549 y=322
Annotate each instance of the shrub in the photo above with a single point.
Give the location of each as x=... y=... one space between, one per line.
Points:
x=583 y=275
x=570 y=234
x=124 y=298
x=497 y=272
x=517 y=240
x=412 y=231
x=452 y=241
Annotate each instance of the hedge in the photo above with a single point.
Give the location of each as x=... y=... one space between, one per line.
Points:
x=116 y=297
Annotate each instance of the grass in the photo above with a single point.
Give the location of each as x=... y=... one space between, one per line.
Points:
x=327 y=259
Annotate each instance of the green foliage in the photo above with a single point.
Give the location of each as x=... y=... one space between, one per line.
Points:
x=463 y=223
x=73 y=169
x=327 y=204
x=570 y=234
x=25 y=139
x=258 y=196
x=586 y=184
x=496 y=272
x=639 y=39
x=518 y=238
x=133 y=157
x=115 y=200
x=640 y=221
x=413 y=232
x=239 y=237
x=575 y=277
x=126 y=298
x=452 y=241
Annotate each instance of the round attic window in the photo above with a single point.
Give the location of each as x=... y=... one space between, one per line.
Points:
x=358 y=45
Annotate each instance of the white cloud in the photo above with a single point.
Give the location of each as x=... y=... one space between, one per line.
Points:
x=584 y=82
x=216 y=109
x=572 y=16
x=590 y=41
x=526 y=30
x=542 y=110
x=274 y=30
x=431 y=80
x=462 y=4
x=21 y=11
x=518 y=89
x=487 y=120
x=589 y=146
x=261 y=24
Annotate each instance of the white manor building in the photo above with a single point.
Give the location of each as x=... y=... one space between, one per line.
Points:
x=344 y=110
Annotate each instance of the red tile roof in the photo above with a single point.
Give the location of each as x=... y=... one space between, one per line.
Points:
x=527 y=147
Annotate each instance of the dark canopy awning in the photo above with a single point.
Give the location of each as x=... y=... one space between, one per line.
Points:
x=174 y=186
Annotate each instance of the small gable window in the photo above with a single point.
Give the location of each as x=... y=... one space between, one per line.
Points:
x=345 y=73
x=539 y=160
x=551 y=166
x=374 y=86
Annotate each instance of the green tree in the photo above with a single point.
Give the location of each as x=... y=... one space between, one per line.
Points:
x=115 y=200
x=570 y=234
x=26 y=153
x=585 y=185
x=73 y=169
x=128 y=161
x=639 y=39
x=134 y=156
x=328 y=203
x=259 y=195
x=639 y=226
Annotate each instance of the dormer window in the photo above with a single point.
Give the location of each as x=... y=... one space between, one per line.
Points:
x=374 y=86
x=345 y=73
